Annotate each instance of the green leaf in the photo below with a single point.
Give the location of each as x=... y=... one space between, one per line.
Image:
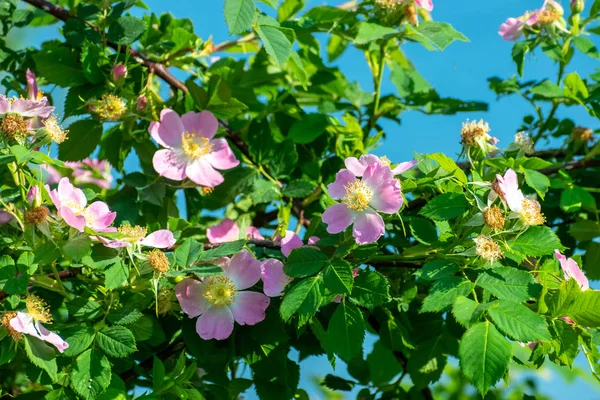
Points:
x=444 y=293
x=239 y=15
x=91 y=374
x=585 y=310
x=224 y=250
x=336 y=383
x=383 y=365
x=584 y=230
x=8 y=351
x=79 y=339
x=126 y=30
x=277 y=42
x=434 y=35
x=586 y=46
x=437 y=269
x=309 y=128
x=76 y=248
x=537 y=181
x=298 y=189
x=188 y=252
x=338 y=277
x=519 y=51
x=445 y=206
x=7 y=267
x=154 y=194
x=84 y=137
x=116 y=275
x=60 y=65
x=547 y=90
x=519 y=322
x=574 y=198
x=371 y=289
x=448 y=164
x=346 y=331
x=26 y=263
x=17 y=285
x=116 y=341
x=90 y=61
x=41 y=355
x=304 y=261
x=303 y=299
x=536 y=241
x=368 y=32
x=463 y=310
x=124 y=315
x=484 y=356
x=423 y=230
x=575 y=87
x=264 y=191
x=509 y=283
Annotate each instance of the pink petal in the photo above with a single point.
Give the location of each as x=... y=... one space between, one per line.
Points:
x=426 y=4
x=253 y=233
x=221 y=156
x=168 y=132
x=355 y=166
x=167 y=164
x=101 y=216
x=215 y=323
x=403 y=167
x=202 y=173
x=76 y=221
x=243 y=269
x=249 y=307
x=68 y=193
x=571 y=270
x=226 y=231
x=114 y=244
x=290 y=242
x=338 y=217
x=511 y=29
x=313 y=240
x=32 y=89
x=51 y=338
x=4 y=105
x=24 y=323
x=273 y=277
x=32 y=108
x=5 y=217
x=509 y=185
x=368 y=227
x=387 y=196
x=160 y=239
x=190 y=292
x=202 y=124
x=337 y=189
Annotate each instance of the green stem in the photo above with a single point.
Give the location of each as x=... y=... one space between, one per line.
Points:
x=57 y=278
x=269 y=177
x=379 y=79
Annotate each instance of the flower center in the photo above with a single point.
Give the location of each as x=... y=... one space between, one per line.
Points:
x=38 y=309
x=220 y=291
x=487 y=248
x=14 y=126
x=6 y=317
x=73 y=205
x=385 y=161
x=358 y=195
x=111 y=107
x=388 y=3
x=531 y=212
x=525 y=142
x=471 y=131
x=194 y=146
x=55 y=132
x=494 y=218
x=36 y=215
x=158 y=261
x=132 y=234
x=549 y=16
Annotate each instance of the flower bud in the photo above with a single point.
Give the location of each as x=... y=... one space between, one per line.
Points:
x=34 y=196
x=32 y=89
x=141 y=103
x=118 y=72
x=577 y=6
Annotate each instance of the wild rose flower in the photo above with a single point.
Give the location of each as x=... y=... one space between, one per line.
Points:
x=550 y=14
x=512 y=29
x=292 y=241
x=190 y=150
x=273 y=277
x=476 y=135
x=358 y=166
x=361 y=199
x=136 y=236
x=507 y=188
x=219 y=301
x=572 y=271
x=25 y=108
x=229 y=231
x=426 y=4
x=30 y=323
x=118 y=72
x=71 y=205
x=487 y=249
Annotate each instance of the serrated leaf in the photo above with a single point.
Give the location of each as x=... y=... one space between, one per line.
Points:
x=116 y=341
x=91 y=374
x=367 y=32
x=41 y=355
x=585 y=230
x=463 y=310
x=484 y=356
x=445 y=206
x=346 y=331
x=188 y=252
x=116 y=275
x=509 y=283
x=304 y=261
x=519 y=322
x=338 y=277
x=537 y=181
x=224 y=250
x=124 y=315
x=308 y=128
x=437 y=269
x=264 y=191
x=536 y=241
x=76 y=248
x=371 y=289
x=126 y=30
x=239 y=15
x=276 y=42
x=84 y=137
x=585 y=309
x=79 y=339
x=444 y=293
x=303 y=299
x=298 y=189
x=423 y=231
x=434 y=35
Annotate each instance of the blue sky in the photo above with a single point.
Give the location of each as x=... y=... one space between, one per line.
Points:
x=461 y=71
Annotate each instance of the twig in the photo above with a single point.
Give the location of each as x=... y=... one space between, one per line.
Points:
x=571 y=165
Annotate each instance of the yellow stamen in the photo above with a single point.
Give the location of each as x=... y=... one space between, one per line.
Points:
x=220 y=291
x=110 y=107
x=385 y=161
x=132 y=233
x=494 y=217
x=36 y=215
x=38 y=309
x=207 y=190
x=388 y=3
x=487 y=249
x=6 y=317
x=549 y=16
x=358 y=195
x=195 y=146
x=158 y=261
x=525 y=142
x=472 y=131
x=55 y=132
x=14 y=127
x=531 y=212
x=582 y=134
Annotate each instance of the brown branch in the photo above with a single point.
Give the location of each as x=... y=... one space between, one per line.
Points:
x=66 y=274
x=230 y=43
x=571 y=165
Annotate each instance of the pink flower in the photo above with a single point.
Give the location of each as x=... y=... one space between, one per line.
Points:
x=571 y=270
x=218 y=301
x=190 y=150
x=34 y=195
x=136 y=236
x=361 y=199
x=5 y=217
x=426 y=4
x=507 y=188
x=273 y=277
x=229 y=231
x=141 y=103
x=25 y=107
x=358 y=166
x=511 y=29
x=32 y=89
x=292 y=241
x=53 y=175
x=25 y=323
x=71 y=205
x=118 y=72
